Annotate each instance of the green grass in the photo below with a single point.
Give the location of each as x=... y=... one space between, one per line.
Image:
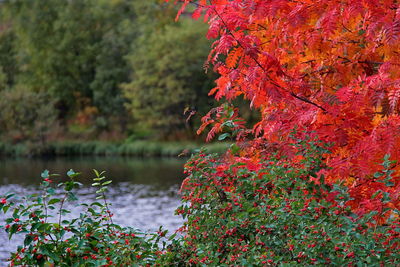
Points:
x=98 y=148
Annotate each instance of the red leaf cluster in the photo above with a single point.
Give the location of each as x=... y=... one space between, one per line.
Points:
x=331 y=67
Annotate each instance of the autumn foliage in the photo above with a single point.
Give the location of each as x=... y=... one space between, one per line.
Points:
x=277 y=212
x=330 y=67
x=314 y=182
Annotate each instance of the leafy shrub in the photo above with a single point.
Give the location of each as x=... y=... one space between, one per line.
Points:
x=277 y=211
x=92 y=239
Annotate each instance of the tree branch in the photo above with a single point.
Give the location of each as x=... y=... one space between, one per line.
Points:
x=306 y=100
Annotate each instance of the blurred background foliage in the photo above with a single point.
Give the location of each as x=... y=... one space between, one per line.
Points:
x=100 y=70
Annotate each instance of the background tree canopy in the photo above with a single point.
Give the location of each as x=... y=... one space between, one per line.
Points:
x=108 y=69
x=162 y=86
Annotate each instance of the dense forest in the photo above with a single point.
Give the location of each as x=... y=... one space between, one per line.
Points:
x=100 y=70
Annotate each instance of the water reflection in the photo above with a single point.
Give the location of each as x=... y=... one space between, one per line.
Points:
x=156 y=172
x=143 y=193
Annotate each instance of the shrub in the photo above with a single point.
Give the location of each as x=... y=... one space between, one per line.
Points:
x=92 y=239
x=277 y=211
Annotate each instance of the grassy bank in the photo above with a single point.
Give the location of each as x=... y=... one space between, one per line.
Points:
x=97 y=148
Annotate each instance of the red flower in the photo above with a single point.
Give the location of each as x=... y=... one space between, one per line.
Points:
x=3 y=201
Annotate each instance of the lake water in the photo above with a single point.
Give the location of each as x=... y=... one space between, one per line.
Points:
x=144 y=192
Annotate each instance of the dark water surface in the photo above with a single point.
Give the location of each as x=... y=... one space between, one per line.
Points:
x=143 y=193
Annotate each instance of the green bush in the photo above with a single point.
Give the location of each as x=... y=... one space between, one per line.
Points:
x=276 y=211
x=91 y=239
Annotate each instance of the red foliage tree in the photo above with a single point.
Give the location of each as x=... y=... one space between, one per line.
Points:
x=331 y=67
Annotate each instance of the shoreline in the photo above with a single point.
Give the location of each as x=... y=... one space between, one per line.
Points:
x=142 y=149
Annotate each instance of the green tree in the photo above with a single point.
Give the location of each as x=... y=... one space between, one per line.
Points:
x=74 y=50
x=112 y=67
x=26 y=116
x=79 y=52
x=167 y=77
x=8 y=64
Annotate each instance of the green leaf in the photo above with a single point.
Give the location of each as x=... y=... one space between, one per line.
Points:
x=389 y=183
x=64 y=211
x=229 y=124
x=223 y=136
x=106 y=183
x=386 y=197
x=96 y=204
x=5 y=209
x=53 y=201
x=71 y=173
x=172 y=236
x=45 y=174
x=386 y=157
x=12 y=230
x=10 y=195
